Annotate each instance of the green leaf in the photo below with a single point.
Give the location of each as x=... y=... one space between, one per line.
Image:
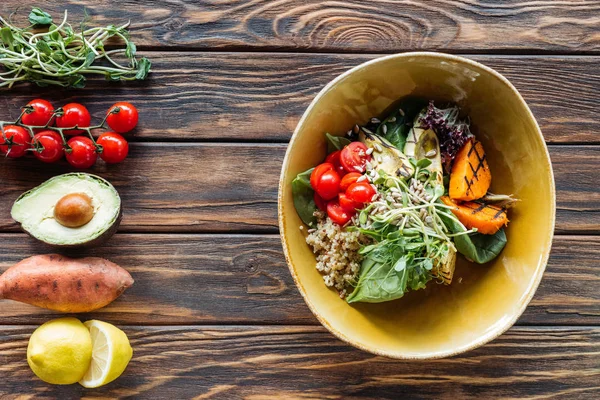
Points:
x=89 y=59
x=143 y=69
x=303 y=195
x=43 y=47
x=477 y=247
x=130 y=50
x=7 y=37
x=335 y=143
x=423 y=163
x=39 y=17
x=398 y=123
x=76 y=81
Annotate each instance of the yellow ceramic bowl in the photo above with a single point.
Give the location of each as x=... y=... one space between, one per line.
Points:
x=483 y=301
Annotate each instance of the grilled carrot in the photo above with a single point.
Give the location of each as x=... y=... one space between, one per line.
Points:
x=470 y=178
x=486 y=218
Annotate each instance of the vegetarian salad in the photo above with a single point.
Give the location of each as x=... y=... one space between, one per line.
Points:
x=395 y=201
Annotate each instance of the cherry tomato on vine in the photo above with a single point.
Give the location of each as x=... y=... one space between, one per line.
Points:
x=354 y=157
x=334 y=159
x=348 y=204
x=17 y=141
x=114 y=147
x=122 y=117
x=48 y=146
x=337 y=213
x=83 y=152
x=361 y=192
x=348 y=180
x=320 y=203
x=74 y=114
x=38 y=112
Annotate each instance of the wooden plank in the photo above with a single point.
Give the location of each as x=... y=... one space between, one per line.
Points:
x=378 y=25
x=243 y=279
x=307 y=362
x=261 y=97
x=199 y=187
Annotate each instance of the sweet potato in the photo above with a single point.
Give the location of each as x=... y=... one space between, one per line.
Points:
x=64 y=284
x=486 y=218
x=471 y=177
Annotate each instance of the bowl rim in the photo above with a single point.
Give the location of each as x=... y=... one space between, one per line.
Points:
x=524 y=301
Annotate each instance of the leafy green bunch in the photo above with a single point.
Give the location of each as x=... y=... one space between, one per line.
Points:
x=48 y=54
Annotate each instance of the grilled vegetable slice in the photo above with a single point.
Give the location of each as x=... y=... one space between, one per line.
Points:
x=471 y=177
x=387 y=157
x=486 y=218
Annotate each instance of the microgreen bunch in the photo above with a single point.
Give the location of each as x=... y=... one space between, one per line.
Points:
x=63 y=55
x=410 y=238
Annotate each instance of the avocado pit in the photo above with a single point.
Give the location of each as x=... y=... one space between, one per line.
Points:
x=74 y=210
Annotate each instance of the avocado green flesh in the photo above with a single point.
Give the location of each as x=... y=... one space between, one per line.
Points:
x=34 y=210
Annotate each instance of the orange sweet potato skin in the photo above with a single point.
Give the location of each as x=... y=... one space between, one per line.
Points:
x=65 y=284
x=471 y=177
x=487 y=219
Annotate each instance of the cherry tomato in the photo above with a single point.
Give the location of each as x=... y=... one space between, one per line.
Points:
x=39 y=113
x=334 y=159
x=315 y=176
x=114 y=147
x=348 y=204
x=361 y=192
x=74 y=114
x=337 y=213
x=18 y=137
x=50 y=145
x=348 y=180
x=328 y=186
x=123 y=120
x=354 y=157
x=321 y=204
x=83 y=152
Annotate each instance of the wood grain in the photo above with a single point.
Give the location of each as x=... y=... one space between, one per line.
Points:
x=261 y=97
x=307 y=362
x=374 y=26
x=243 y=279
x=200 y=187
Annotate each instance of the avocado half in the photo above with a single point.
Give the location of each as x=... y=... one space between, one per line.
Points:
x=34 y=211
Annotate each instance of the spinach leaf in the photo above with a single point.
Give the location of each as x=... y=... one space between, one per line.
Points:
x=477 y=247
x=399 y=122
x=335 y=143
x=303 y=195
x=381 y=280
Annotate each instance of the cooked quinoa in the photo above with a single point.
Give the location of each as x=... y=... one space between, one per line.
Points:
x=336 y=251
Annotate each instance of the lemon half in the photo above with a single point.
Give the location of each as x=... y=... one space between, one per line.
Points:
x=60 y=351
x=111 y=354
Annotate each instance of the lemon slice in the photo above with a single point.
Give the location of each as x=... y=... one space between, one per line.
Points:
x=111 y=353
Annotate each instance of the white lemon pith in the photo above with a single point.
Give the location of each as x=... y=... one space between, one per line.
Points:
x=60 y=351
x=110 y=355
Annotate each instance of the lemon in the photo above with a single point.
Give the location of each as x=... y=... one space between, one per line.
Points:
x=110 y=355
x=60 y=351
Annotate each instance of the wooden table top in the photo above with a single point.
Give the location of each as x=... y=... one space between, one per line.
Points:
x=214 y=312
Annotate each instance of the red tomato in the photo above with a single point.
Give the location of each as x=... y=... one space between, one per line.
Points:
x=74 y=114
x=328 y=186
x=348 y=180
x=354 y=157
x=315 y=176
x=122 y=117
x=17 y=141
x=362 y=192
x=321 y=204
x=114 y=147
x=334 y=159
x=348 y=204
x=83 y=152
x=48 y=145
x=337 y=213
x=38 y=112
